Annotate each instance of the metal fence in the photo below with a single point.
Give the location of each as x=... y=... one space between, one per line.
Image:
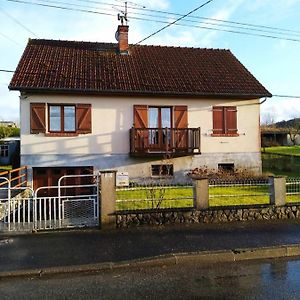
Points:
x=293 y=189
x=241 y=192
x=154 y=195
x=28 y=210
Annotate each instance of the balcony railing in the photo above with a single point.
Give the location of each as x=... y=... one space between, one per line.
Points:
x=160 y=141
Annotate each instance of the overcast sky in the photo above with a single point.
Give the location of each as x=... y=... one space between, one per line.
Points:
x=274 y=62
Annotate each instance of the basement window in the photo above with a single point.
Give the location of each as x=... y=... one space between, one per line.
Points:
x=228 y=167
x=162 y=170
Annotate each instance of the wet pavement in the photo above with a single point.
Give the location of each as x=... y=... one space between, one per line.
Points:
x=263 y=279
x=69 y=248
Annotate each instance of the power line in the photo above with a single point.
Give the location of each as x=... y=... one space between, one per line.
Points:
x=292 y=32
x=17 y=21
x=163 y=22
x=172 y=23
x=61 y=7
x=287 y=96
x=10 y=39
x=194 y=17
x=270 y=30
x=7 y=71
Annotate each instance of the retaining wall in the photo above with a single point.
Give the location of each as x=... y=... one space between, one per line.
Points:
x=212 y=215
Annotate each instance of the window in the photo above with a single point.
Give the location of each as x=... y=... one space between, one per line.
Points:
x=152 y=128
x=4 y=150
x=162 y=170
x=225 y=121
x=159 y=119
x=61 y=118
x=226 y=167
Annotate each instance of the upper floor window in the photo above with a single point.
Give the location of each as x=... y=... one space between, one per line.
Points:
x=62 y=118
x=4 y=150
x=225 y=120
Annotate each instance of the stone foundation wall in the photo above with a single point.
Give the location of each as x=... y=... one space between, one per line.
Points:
x=213 y=215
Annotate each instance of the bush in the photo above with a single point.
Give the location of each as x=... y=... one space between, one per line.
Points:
x=8 y=131
x=221 y=174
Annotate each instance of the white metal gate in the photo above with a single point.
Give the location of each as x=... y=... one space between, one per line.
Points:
x=28 y=210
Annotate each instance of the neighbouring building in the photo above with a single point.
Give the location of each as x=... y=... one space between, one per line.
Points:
x=8 y=124
x=150 y=111
x=10 y=151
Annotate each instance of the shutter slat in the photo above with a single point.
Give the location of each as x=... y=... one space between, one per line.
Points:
x=37 y=118
x=84 y=118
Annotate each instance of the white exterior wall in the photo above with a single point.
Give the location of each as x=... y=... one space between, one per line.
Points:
x=108 y=144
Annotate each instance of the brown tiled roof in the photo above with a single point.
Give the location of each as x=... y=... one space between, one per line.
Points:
x=67 y=66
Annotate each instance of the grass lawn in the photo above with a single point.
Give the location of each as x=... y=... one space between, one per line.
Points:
x=283 y=150
x=281 y=164
x=5 y=168
x=173 y=197
x=154 y=197
x=238 y=195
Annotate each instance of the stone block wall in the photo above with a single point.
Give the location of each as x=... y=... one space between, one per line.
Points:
x=212 y=215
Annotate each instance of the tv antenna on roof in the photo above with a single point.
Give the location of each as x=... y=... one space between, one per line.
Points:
x=122 y=16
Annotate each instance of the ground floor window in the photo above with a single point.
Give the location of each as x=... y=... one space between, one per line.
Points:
x=226 y=167
x=162 y=170
x=3 y=150
x=48 y=179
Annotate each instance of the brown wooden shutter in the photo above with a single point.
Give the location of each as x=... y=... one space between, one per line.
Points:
x=140 y=121
x=140 y=113
x=181 y=122
x=231 y=119
x=218 y=120
x=180 y=117
x=37 y=117
x=84 y=118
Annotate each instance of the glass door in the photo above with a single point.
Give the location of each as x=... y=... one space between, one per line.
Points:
x=159 y=124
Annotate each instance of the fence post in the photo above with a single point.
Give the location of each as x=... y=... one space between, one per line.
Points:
x=201 y=193
x=277 y=191
x=107 y=207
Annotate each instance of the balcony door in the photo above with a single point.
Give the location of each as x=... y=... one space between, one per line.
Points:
x=159 y=124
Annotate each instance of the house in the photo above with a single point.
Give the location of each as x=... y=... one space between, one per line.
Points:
x=151 y=111
x=8 y=124
x=273 y=136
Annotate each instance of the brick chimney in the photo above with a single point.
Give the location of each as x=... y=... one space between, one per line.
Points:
x=122 y=34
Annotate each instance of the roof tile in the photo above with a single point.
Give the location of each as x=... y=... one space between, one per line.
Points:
x=52 y=65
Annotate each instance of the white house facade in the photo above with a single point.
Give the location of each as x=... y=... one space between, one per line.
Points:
x=119 y=111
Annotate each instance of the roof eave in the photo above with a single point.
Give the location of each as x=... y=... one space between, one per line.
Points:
x=141 y=93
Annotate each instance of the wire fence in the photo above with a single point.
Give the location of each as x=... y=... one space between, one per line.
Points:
x=241 y=192
x=154 y=195
x=293 y=189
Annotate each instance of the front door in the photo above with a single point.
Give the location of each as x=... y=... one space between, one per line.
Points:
x=159 y=124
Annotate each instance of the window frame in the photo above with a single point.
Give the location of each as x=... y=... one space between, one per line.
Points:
x=4 y=150
x=160 y=121
x=62 y=119
x=226 y=131
x=163 y=167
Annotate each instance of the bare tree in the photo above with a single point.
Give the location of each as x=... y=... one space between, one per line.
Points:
x=268 y=118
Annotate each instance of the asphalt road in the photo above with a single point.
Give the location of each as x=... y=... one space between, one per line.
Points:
x=270 y=279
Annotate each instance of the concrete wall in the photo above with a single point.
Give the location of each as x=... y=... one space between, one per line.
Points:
x=108 y=144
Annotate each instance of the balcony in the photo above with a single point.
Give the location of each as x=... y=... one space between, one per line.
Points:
x=164 y=141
